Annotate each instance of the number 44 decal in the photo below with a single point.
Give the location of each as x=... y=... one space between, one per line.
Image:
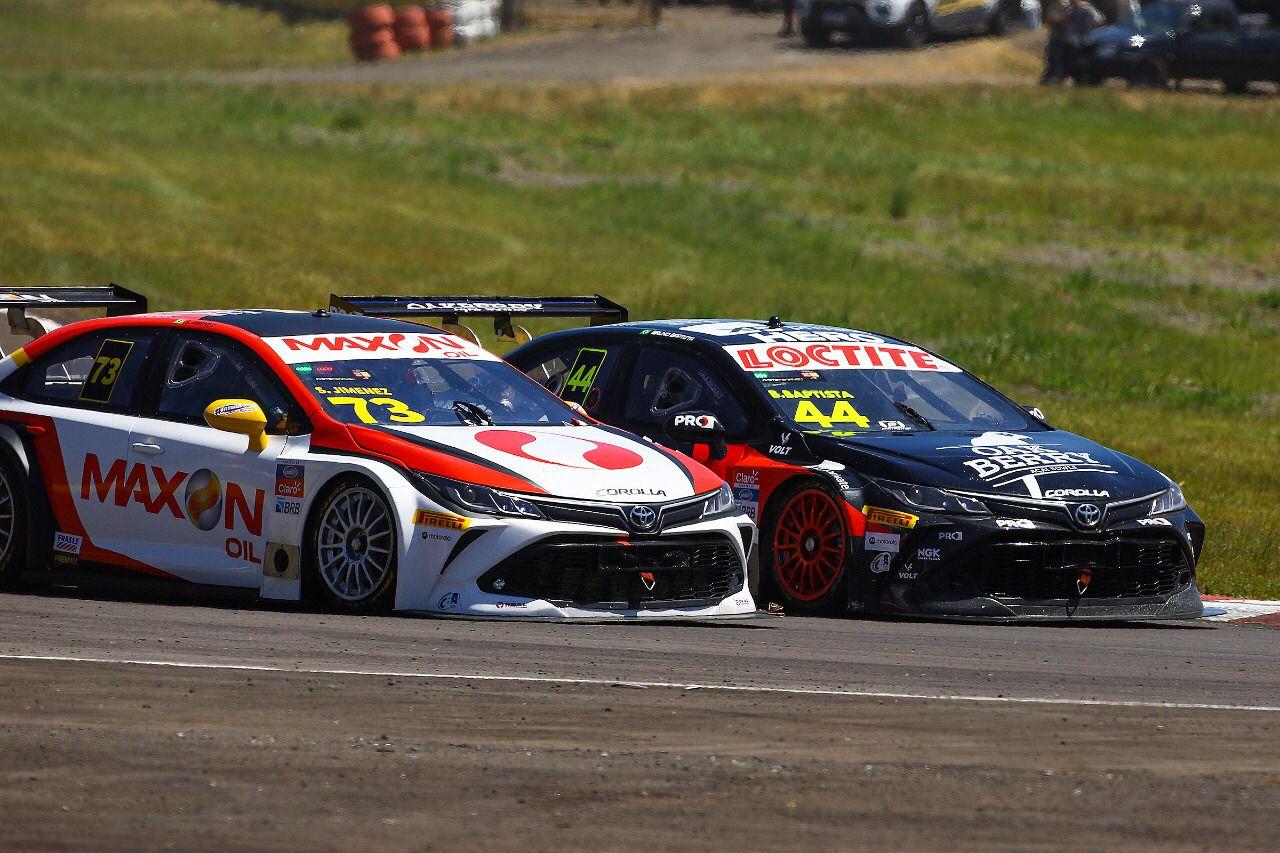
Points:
x=582 y=376
x=842 y=412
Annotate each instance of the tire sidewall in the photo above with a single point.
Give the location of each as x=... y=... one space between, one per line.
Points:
x=381 y=599
x=13 y=561
x=833 y=600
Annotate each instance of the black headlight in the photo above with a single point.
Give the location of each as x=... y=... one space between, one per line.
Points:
x=934 y=500
x=468 y=497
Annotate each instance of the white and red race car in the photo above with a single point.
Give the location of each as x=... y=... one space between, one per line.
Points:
x=376 y=463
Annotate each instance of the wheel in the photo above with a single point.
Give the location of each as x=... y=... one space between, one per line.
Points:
x=1235 y=85
x=815 y=35
x=353 y=548
x=1150 y=75
x=13 y=525
x=914 y=31
x=804 y=555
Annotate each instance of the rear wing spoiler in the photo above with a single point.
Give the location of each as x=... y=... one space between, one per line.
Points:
x=119 y=301
x=449 y=310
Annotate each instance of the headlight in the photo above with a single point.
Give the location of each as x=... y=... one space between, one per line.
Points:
x=720 y=503
x=1171 y=501
x=927 y=497
x=473 y=498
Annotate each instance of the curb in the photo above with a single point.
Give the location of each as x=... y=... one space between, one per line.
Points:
x=1247 y=610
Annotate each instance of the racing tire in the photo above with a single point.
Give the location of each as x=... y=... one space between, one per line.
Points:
x=352 y=548
x=815 y=35
x=804 y=548
x=13 y=525
x=914 y=31
x=1150 y=75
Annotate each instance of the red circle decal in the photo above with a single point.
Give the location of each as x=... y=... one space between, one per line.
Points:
x=595 y=454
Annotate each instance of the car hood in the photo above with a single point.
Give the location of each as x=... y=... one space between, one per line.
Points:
x=1047 y=464
x=585 y=462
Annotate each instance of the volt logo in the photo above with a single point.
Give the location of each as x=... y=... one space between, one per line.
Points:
x=205 y=502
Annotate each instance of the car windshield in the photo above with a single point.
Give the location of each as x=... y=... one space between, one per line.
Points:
x=430 y=392
x=847 y=402
x=1159 y=17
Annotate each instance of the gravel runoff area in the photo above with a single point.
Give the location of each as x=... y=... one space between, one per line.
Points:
x=281 y=729
x=692 y=44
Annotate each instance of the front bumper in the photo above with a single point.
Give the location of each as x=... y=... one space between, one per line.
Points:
x=537 y=569
x=1020 y=569
x=856 y=19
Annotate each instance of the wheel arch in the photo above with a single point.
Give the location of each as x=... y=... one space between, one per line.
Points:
x=14 y=450
x=346 y=473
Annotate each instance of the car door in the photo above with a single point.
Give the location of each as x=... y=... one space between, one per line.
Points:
x=210 y=489
x=80 y=398
x=665 y=381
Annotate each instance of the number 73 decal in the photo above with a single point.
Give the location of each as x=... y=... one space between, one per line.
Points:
x=105 y=371
x=395 y=410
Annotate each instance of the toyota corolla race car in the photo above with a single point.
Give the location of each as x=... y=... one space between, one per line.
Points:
x=886 y=479
x=377 y=463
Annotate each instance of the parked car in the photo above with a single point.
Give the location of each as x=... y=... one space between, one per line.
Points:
x=379 y=464
x=909 y=23
x=1183 y=39
x=886 y=479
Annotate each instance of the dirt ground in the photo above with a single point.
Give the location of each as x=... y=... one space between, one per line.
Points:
x=523 y=754
x=693 y=44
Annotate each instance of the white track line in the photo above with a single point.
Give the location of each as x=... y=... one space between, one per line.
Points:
x=670 y=685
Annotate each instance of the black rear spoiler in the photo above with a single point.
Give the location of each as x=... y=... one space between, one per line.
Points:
x=119 y=301
x=450 y=310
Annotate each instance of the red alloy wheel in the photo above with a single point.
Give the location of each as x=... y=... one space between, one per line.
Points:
x=809 y=545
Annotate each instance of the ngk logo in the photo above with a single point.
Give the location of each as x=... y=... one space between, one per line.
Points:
x=204 y=501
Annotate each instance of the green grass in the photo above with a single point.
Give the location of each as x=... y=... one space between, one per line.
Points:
x=1107 y=256
x=155 y=35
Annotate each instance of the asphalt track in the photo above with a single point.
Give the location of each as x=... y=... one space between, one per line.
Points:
x=278 y=728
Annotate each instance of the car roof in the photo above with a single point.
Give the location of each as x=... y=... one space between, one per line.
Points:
x=724 y=331
x=270 y=322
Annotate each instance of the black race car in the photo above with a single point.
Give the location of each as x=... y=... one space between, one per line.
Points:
x=1182 y=39
x=886 y=479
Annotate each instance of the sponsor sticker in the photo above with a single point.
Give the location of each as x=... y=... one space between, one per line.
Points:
x=746 y=492
x=290 y=480
x=881 y=562
x=288 y=506
x=445 y=521
x=449 y=601
x=882 y=541
x=836 y=356
x=951 y=535
x=1155 y=522
x=66 y=548
x=1015 y=524
x=890 y=517
x=928 y=553
x=1003 y=457
x=297 y=349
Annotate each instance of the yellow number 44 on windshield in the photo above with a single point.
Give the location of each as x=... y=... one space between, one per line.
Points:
x=842 y=413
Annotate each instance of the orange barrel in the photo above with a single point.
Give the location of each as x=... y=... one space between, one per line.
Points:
x=372 y=33
x=411 y=29
x=441 y=22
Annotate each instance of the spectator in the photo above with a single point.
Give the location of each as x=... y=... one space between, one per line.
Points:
x=1082 y=19
x=788 y=19
x=1055 y=52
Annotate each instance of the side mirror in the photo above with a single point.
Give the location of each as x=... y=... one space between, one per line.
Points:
x=243 y=417
x=701 y=429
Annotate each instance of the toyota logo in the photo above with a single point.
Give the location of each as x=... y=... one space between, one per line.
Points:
x=1088 y=515
x=642 y=517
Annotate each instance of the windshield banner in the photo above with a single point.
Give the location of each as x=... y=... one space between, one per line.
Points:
x=304 y=348
x=823 y=356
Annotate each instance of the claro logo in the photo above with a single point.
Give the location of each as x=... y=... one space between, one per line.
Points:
x=204 y=502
